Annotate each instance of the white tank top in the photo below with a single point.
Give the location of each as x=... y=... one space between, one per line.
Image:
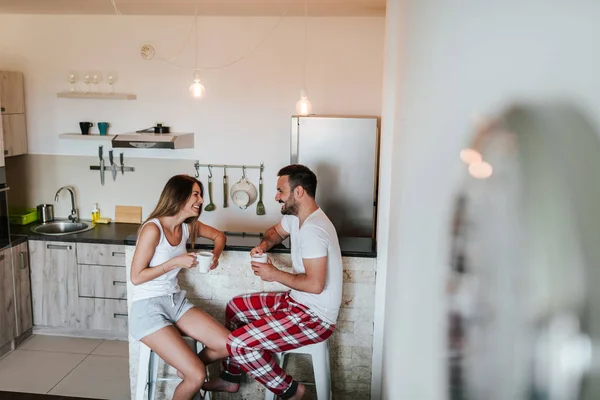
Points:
x=165 y=284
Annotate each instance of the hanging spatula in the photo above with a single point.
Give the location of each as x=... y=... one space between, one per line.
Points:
x=260 y=207
x=210 y=206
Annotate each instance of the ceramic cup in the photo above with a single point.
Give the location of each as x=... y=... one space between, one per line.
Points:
x=103 y=127
x=260 y=257
x=204 y=259
x=85 y=127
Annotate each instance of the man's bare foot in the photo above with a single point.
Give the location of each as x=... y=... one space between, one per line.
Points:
x=220 y=385
x=299 y=392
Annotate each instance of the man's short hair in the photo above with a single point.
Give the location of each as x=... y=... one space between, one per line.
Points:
x=300 y=175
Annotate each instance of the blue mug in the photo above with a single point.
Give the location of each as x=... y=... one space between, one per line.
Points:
x=103 y=127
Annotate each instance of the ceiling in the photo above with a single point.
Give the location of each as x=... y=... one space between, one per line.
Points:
x=205 y=7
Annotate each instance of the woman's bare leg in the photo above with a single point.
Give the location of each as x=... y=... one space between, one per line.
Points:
x=204 y=328
x=170 y=346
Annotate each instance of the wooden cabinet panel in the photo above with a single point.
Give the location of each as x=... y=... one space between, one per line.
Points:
x=12 y=92
x=22 y=288
x=54 y=283
x=103 y=314
x=7 y=304
x=101 y=254
x=102 y=281
x=15 y=135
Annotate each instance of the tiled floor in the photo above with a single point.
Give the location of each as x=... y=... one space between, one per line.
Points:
x=68 y=366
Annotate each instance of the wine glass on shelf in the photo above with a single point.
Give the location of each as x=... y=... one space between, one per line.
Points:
x=87 y=79
x=111 y=79
x=96 y=79
x=72 y=78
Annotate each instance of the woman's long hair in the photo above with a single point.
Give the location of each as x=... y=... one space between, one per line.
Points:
x=175 y=194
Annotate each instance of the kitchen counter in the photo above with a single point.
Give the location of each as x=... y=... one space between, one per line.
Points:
x=117 y=233
x=102 y=234
x=238 y=241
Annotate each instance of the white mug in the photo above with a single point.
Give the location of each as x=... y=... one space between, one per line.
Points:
x=204 y=259
x=262 y=258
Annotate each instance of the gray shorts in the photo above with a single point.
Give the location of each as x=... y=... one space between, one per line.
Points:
x=149 y=315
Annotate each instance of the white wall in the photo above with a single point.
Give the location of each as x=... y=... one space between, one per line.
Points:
x=458 y=60
x=245 y=117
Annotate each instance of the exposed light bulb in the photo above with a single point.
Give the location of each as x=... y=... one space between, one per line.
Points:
x=480 y=170
x=303 y=106
x=196 y=88
x=470 y=156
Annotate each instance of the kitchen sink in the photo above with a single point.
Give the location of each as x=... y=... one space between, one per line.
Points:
x=58 y=228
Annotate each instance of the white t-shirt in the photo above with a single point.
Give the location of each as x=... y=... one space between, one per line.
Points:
x=167 y=283
x=317 y=238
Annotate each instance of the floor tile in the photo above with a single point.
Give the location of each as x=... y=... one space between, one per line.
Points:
x=61 y=344
x=34 y=396
x=35 y=371
x=97 y=376
x=116 y=348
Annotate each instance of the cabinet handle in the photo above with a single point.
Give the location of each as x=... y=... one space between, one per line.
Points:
x=118 y=315
x=6 y=189
x=58 y=247
x=23 y=263
x=119 y=283
x=118 y=253
x=1 y=257
x=2 y=109
x=5 y=152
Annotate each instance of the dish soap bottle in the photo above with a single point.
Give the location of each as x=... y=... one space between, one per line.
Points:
x=95 y=213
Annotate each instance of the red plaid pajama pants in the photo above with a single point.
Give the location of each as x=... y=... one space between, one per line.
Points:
x=266 y=323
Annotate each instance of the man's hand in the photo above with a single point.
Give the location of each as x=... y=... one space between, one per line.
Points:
x=266 y=271
x=258 y=250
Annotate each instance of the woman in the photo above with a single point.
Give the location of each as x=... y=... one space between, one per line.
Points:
x=160 y=310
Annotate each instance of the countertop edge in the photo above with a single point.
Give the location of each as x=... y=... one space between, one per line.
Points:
x=124 y=233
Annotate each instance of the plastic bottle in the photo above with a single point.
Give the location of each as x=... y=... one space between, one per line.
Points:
x=95 y=213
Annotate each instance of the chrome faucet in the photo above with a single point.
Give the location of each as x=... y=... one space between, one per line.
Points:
x=73 y=217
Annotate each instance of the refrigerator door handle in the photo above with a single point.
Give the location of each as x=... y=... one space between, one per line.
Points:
x=294 y=140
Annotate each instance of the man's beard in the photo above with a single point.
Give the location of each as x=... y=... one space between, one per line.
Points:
x=290 y=207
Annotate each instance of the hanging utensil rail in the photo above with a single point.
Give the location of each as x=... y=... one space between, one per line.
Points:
x=197 y=166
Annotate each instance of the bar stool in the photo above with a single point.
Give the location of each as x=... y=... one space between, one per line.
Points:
x=148 y=371
x=319 y=353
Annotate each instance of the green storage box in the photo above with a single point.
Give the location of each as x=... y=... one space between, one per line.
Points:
x=22 y=216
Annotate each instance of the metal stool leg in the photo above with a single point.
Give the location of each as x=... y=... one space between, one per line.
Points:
x=153 y=375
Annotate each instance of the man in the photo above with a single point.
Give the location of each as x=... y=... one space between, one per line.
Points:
x=263 y=323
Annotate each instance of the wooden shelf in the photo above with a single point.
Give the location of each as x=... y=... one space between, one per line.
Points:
x=92 y=136
x=106 y=96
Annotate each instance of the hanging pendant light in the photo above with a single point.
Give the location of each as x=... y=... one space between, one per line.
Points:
x=303 y=106
x=196 y=89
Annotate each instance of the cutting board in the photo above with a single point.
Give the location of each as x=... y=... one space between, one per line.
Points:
x=128 y=214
